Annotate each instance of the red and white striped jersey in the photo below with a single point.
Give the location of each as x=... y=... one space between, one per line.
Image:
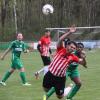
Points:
x=61 y=61
x=45 y=45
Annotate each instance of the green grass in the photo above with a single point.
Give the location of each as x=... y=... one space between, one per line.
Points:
x=14 y=90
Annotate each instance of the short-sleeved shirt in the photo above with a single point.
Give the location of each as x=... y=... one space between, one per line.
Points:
x=61 y=61
x=74 y=65
x=17 y=47
x=45 y=45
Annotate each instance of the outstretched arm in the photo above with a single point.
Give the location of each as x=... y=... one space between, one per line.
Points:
x=5 y=53
x=83 y=62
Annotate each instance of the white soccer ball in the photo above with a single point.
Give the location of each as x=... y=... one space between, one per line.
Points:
x=47 y=9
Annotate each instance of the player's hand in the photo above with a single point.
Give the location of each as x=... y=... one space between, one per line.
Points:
x=26 y=51
x=72 y=29
x=83 y=54
x=2 y=57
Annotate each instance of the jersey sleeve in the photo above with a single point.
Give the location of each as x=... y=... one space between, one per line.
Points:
x=40 y=41
x=75 y=58
x=12 y=44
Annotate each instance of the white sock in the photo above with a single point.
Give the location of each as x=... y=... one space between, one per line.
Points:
x=68 y=89
x=41 y=70
x=45 y=69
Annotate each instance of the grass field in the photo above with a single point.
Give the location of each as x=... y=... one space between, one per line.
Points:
x=32 y=62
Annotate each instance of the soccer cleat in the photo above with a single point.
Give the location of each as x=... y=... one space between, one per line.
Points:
x=3 y=83
x=36 y=75
x=44 y=97
x=26 y=84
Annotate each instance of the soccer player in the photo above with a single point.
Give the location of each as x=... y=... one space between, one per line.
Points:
x=73 y=72
x=45 y=68
x=56 y=76
x=16 y=47
x=44 y=49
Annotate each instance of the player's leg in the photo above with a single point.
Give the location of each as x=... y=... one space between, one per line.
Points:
x=50 y=92
x=38 y=73
x=77 y=85
x=69 y=87
x=60 y=86
x=46 y=60
x=67 y=74
x=22 y=72
x=44 y=69
x=23 y=77
x=6 y=76
x=8 y=73
x=47 y=85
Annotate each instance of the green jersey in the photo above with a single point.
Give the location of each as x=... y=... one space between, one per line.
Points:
x=17 y=47
x=73 y=68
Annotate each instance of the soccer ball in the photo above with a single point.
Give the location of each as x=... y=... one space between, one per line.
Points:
x=47 y=9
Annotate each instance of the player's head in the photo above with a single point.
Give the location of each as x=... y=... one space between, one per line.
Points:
x=47 y=33
x=66 y=41
x=80 y=46
x=71 y=46
x=19 y=36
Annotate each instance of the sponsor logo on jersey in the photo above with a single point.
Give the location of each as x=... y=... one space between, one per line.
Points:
x=18 y=49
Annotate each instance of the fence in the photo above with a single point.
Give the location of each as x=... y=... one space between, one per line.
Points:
x=4 y=45
x=88 y=44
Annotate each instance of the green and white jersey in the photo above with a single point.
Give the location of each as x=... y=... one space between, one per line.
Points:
x=17 y=47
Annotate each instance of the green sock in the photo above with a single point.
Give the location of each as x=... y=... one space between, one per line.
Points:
x=50 y=92
x=6 y=76
x=73 y=91
x=23 y=77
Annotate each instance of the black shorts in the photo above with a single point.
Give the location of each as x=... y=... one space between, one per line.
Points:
x=46 y=60
x=52 y=81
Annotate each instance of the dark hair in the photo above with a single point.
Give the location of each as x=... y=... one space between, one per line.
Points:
x=47 y=31
x=80 y=45
x=66 y=41
x=72 y=42
x=61 y=34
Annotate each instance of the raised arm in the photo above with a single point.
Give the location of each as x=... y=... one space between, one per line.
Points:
x=71 y=30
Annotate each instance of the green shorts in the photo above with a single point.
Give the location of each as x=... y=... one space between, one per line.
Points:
x=16 y=64
x=72 y=73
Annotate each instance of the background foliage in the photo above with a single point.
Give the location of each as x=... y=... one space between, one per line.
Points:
x=30 y=19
